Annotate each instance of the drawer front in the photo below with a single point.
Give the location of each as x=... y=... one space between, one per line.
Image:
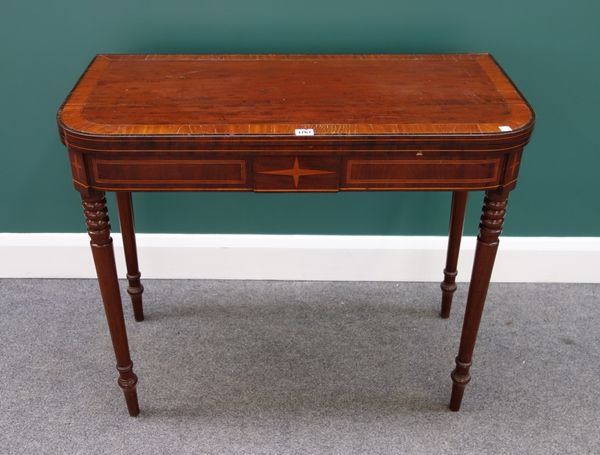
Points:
x=296 y=173
x=175 y=173
x=425 y=173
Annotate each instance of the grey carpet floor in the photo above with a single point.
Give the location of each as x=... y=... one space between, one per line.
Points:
x=231 y=367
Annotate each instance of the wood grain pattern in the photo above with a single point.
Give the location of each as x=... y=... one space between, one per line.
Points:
x=275 y=94
x=444 y=172
x=264 y=171
x=295 y=173
x=148 y=171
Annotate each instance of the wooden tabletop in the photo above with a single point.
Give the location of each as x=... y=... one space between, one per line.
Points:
x=186 y=95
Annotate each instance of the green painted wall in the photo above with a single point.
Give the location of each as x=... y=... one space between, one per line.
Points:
x=550 y=48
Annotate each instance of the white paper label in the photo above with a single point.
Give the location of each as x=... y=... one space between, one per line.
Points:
x=304 y=132
x=505 y=128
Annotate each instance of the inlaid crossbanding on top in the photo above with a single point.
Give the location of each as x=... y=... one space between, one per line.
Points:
x=121 y=95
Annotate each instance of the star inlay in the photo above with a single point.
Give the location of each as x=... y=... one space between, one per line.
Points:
x=296 y=172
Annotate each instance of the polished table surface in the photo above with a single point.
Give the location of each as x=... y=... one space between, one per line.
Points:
x=292 y=123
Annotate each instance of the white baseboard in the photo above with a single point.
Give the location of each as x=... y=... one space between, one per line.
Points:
x=302 y=257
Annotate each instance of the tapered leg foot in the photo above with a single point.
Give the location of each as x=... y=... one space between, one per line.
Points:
x=457 y=217
x=448 y=287
x=132 y=402
x=98 y=226
x=490 y=227
x=135 y=289
x=460 y=379
x=127 y=381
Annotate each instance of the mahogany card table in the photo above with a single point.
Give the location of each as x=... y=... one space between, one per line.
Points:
x=292 y=123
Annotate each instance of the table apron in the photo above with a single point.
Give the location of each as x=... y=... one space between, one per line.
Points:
x=294 y=172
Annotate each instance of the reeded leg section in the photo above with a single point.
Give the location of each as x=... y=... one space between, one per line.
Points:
x=126 y=220
x=457 y=218
x=98 y=227
x=490 y=227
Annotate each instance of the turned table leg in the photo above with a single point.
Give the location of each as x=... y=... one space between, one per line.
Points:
x=98 y=226
x=490 y=227
x=457 y=217
x=135 y=288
